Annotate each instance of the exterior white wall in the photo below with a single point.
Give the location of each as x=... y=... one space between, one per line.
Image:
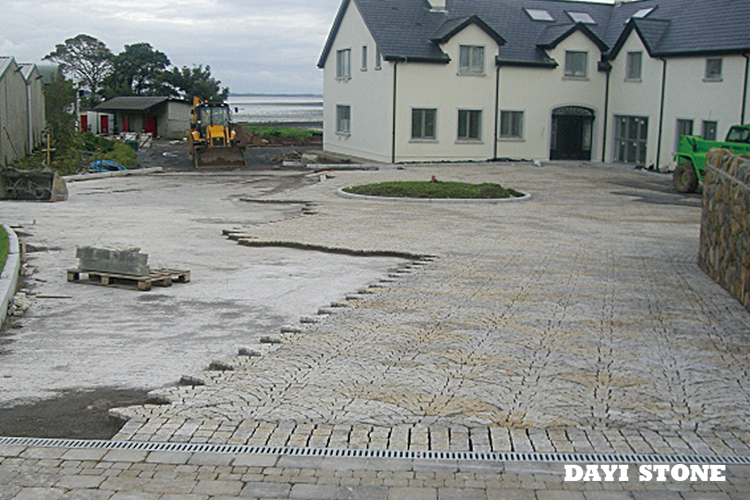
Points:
x=539 y=91
x=639 y=97
x=689 y=96
x=176 y=121
x=442 y=87
x=368 y=93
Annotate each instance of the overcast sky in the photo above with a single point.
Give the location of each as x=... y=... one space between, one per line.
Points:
x=261 y=46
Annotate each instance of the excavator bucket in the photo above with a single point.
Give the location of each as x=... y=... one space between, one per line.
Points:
x=218 y=157
x=42 y=185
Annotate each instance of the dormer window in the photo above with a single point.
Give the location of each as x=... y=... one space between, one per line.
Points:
x=539 y=15
x=581 y=17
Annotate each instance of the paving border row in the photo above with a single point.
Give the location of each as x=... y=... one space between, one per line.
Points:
x=491 y=201
x=151 y=447
x=10 y=272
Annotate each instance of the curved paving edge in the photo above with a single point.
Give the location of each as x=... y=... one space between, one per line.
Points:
x=10 y=272
x=491 y=201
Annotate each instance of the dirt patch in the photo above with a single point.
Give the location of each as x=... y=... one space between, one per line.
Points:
x=73 y=415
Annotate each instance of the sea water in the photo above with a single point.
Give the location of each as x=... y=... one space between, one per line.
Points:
x=282 y=109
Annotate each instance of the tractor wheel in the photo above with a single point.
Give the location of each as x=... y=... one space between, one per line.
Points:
x=685 y=179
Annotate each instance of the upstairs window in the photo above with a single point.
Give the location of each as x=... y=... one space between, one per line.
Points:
x=378 y=58
x=344 y=64
x=539 y=15
x=713 y=69
x=576 y=64
x=471 y=59
x=633 y=66
x=364 y=58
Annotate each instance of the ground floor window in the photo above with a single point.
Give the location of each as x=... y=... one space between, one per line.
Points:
x=511 y=124
x=343 y=119
x=423 y=123
x=469 y=125
x=631 y=138
x=684 y=127
x=709 y=130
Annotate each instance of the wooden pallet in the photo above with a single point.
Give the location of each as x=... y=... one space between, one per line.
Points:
x=158 y=277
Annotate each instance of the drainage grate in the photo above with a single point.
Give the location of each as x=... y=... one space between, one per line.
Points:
x=388 y=454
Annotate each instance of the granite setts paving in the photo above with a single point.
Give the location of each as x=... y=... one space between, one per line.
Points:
x=576 y=321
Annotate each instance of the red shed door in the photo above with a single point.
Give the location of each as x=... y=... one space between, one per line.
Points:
x=104 y=125
x=149 y=125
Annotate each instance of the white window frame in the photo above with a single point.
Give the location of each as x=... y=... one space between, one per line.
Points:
x=378 y=58
x=570 y=71
x=633 y=71
x=343 y=119
x=471 y=59
x=471 y=119
x=364 y=58
x=511 y=124
x=422 y=113
x=711 y=75
x=344 y=64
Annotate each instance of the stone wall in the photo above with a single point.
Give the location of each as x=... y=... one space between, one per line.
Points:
x=725 y=224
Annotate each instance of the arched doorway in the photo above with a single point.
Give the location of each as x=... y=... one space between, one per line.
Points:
x=572 y=130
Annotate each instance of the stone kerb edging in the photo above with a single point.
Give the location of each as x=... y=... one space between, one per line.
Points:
x=117 y=173
x=10 y=272
x=344 y=194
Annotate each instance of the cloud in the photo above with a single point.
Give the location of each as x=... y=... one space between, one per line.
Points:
x=250 y=45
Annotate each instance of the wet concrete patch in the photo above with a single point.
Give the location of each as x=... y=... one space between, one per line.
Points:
x=73 y=414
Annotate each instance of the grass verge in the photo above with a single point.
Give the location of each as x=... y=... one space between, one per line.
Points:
x=417 y=189
x=4 y=245
x=270 y=133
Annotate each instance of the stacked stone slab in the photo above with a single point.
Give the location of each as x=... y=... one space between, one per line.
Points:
x=125 y=261
x=725 y=223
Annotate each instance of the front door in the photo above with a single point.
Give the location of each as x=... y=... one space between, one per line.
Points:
x=572 y=128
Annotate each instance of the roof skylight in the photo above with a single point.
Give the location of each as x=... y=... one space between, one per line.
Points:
x=581 y=17
x=539 y=15
x=643 y=13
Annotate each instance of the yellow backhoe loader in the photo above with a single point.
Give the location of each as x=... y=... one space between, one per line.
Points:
x=213 y=140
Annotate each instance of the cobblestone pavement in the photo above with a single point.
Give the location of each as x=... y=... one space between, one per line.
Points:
x=57 y=473
x=575 y=321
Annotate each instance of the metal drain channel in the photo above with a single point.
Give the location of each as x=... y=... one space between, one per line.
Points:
x=510 y=456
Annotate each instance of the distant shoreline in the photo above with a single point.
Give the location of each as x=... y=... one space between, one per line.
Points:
x=251 y=94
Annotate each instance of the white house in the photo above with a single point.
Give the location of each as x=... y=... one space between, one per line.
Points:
x=427 y=80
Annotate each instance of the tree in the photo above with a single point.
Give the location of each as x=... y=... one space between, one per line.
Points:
x=87 y=60
x=196 y=82
x=138 y=70
x=59 y=97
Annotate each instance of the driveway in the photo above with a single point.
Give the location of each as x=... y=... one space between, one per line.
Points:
x=575 y=320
